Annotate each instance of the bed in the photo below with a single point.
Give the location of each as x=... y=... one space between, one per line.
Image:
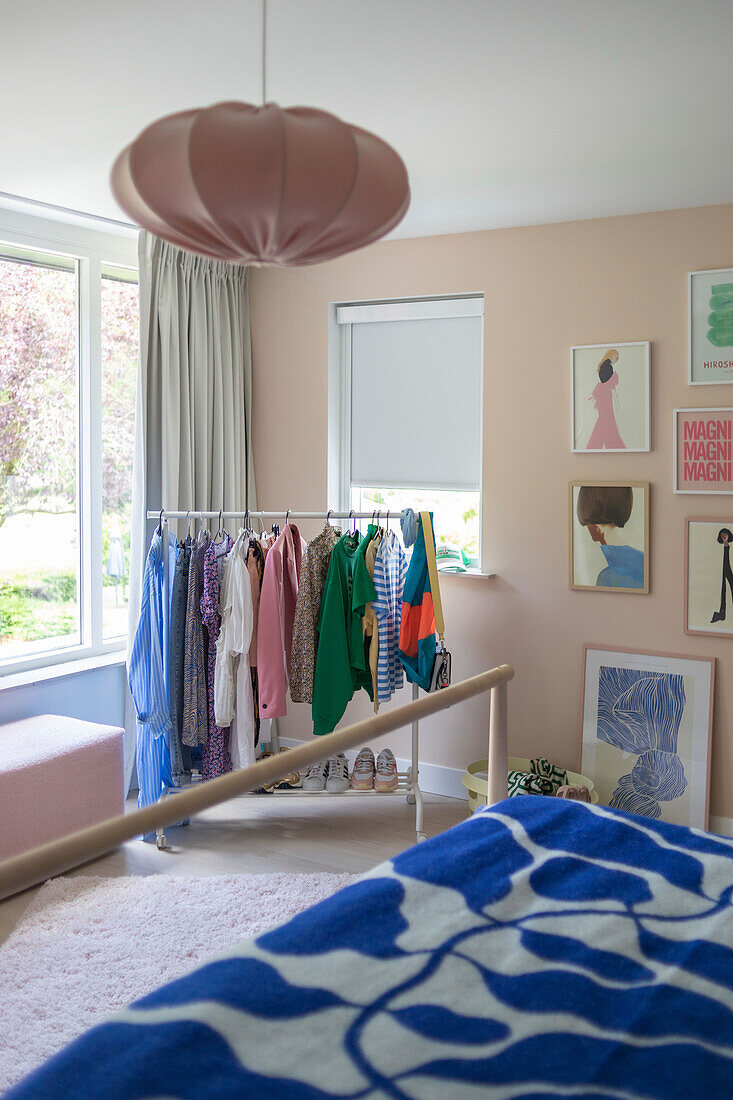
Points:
x=542 y=948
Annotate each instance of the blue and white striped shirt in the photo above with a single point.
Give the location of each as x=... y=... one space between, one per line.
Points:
x=390 y=569
x=148 y=674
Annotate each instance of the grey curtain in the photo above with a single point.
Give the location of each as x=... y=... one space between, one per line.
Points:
x=193 y=444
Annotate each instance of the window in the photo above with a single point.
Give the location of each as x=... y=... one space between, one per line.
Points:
x=39 y=502
x=120 y=310
x=406 y=399
x=68 y=364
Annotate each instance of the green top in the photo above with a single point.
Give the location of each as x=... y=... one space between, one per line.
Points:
x=341 y=667
x=362 y=593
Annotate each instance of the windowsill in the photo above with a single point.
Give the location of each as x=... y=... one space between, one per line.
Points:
x=42 y=675
x=476 y=573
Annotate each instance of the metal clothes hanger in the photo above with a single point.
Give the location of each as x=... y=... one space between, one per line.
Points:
x=242 y=532
x=160 y=522
x=241 y=542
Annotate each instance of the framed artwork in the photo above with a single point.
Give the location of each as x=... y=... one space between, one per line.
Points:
x=609 y=395
x=710 y=327
x=609 y=536
x=703 y=451
x=646 y=725
x=709 y=576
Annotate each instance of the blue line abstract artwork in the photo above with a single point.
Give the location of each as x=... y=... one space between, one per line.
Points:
x=641 y=712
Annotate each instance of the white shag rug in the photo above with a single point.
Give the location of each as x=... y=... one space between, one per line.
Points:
x=87 y=946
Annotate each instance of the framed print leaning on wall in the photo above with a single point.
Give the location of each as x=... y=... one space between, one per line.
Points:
x=609 y=536
x=609 y=397
x=709 y=576
x=646 y=726
x=703 y=451
x=710 y=327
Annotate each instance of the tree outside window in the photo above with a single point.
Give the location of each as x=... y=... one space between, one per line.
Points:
x=40 y=415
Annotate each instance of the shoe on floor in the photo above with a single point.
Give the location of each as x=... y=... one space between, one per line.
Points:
x=290 y=781
x=386 y=778
x=362 y=776
x=270 y=786
x=315 y=777
x=337 y=778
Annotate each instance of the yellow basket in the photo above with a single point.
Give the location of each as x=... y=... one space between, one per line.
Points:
x=475 y=781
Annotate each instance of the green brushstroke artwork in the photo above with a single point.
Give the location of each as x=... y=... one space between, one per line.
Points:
x=720 y=318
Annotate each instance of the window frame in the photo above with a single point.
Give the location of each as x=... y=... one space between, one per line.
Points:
x=93 y=243
x=341 y=322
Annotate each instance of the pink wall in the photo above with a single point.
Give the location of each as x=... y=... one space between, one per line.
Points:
x=546 y=288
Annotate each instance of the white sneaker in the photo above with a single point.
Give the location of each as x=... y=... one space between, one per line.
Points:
x=338 y=773
x=362 y=776
x=386 y=778
x=315 y=777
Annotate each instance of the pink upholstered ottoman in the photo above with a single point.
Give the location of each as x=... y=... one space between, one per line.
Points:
x=56 y=775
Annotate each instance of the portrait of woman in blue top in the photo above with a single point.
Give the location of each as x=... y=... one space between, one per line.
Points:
x=604 y=510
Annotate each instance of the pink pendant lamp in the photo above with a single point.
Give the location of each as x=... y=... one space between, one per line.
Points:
x=263 y=185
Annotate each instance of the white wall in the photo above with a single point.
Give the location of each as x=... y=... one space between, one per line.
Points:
x=97 y=695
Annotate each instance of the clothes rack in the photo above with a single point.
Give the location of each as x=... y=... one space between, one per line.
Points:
x=408 y=780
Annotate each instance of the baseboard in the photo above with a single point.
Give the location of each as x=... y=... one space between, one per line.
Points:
x=434 y=778
x=439 y=779
x=723 y=826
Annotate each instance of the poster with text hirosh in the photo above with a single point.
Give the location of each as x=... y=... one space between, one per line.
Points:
x=710 y=327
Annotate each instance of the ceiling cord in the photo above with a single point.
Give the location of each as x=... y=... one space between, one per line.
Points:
x=264 y=52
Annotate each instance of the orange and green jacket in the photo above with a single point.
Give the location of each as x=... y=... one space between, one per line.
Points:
x=417 y=629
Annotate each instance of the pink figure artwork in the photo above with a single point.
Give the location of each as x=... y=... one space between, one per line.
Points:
x=606 y=433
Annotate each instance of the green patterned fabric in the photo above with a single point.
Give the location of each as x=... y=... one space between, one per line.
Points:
x=538 y=765
x=542 y=778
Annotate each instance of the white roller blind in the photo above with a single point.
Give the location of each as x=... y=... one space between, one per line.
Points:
x=416 y=402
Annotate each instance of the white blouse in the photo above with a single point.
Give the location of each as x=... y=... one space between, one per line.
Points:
x=233 y=700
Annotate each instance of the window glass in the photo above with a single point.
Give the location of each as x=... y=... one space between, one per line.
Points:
x=119 y=374
x=455 y=514
x=39 y=419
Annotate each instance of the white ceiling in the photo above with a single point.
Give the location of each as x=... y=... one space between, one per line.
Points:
x=506 y=112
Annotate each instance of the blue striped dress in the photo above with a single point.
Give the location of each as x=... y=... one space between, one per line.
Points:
x=390 y=569
x=148 y=674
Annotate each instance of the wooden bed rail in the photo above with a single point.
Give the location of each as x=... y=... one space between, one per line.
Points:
x=60 y=855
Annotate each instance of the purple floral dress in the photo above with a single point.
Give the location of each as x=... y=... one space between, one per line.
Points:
x=215 y=757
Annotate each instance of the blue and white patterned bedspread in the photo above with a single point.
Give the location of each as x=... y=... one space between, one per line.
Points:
x=541 y=949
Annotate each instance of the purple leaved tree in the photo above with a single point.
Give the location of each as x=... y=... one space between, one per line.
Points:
x=37 y=389
x=39 y=393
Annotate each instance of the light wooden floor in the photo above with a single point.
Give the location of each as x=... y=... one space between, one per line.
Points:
x=270 y=833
